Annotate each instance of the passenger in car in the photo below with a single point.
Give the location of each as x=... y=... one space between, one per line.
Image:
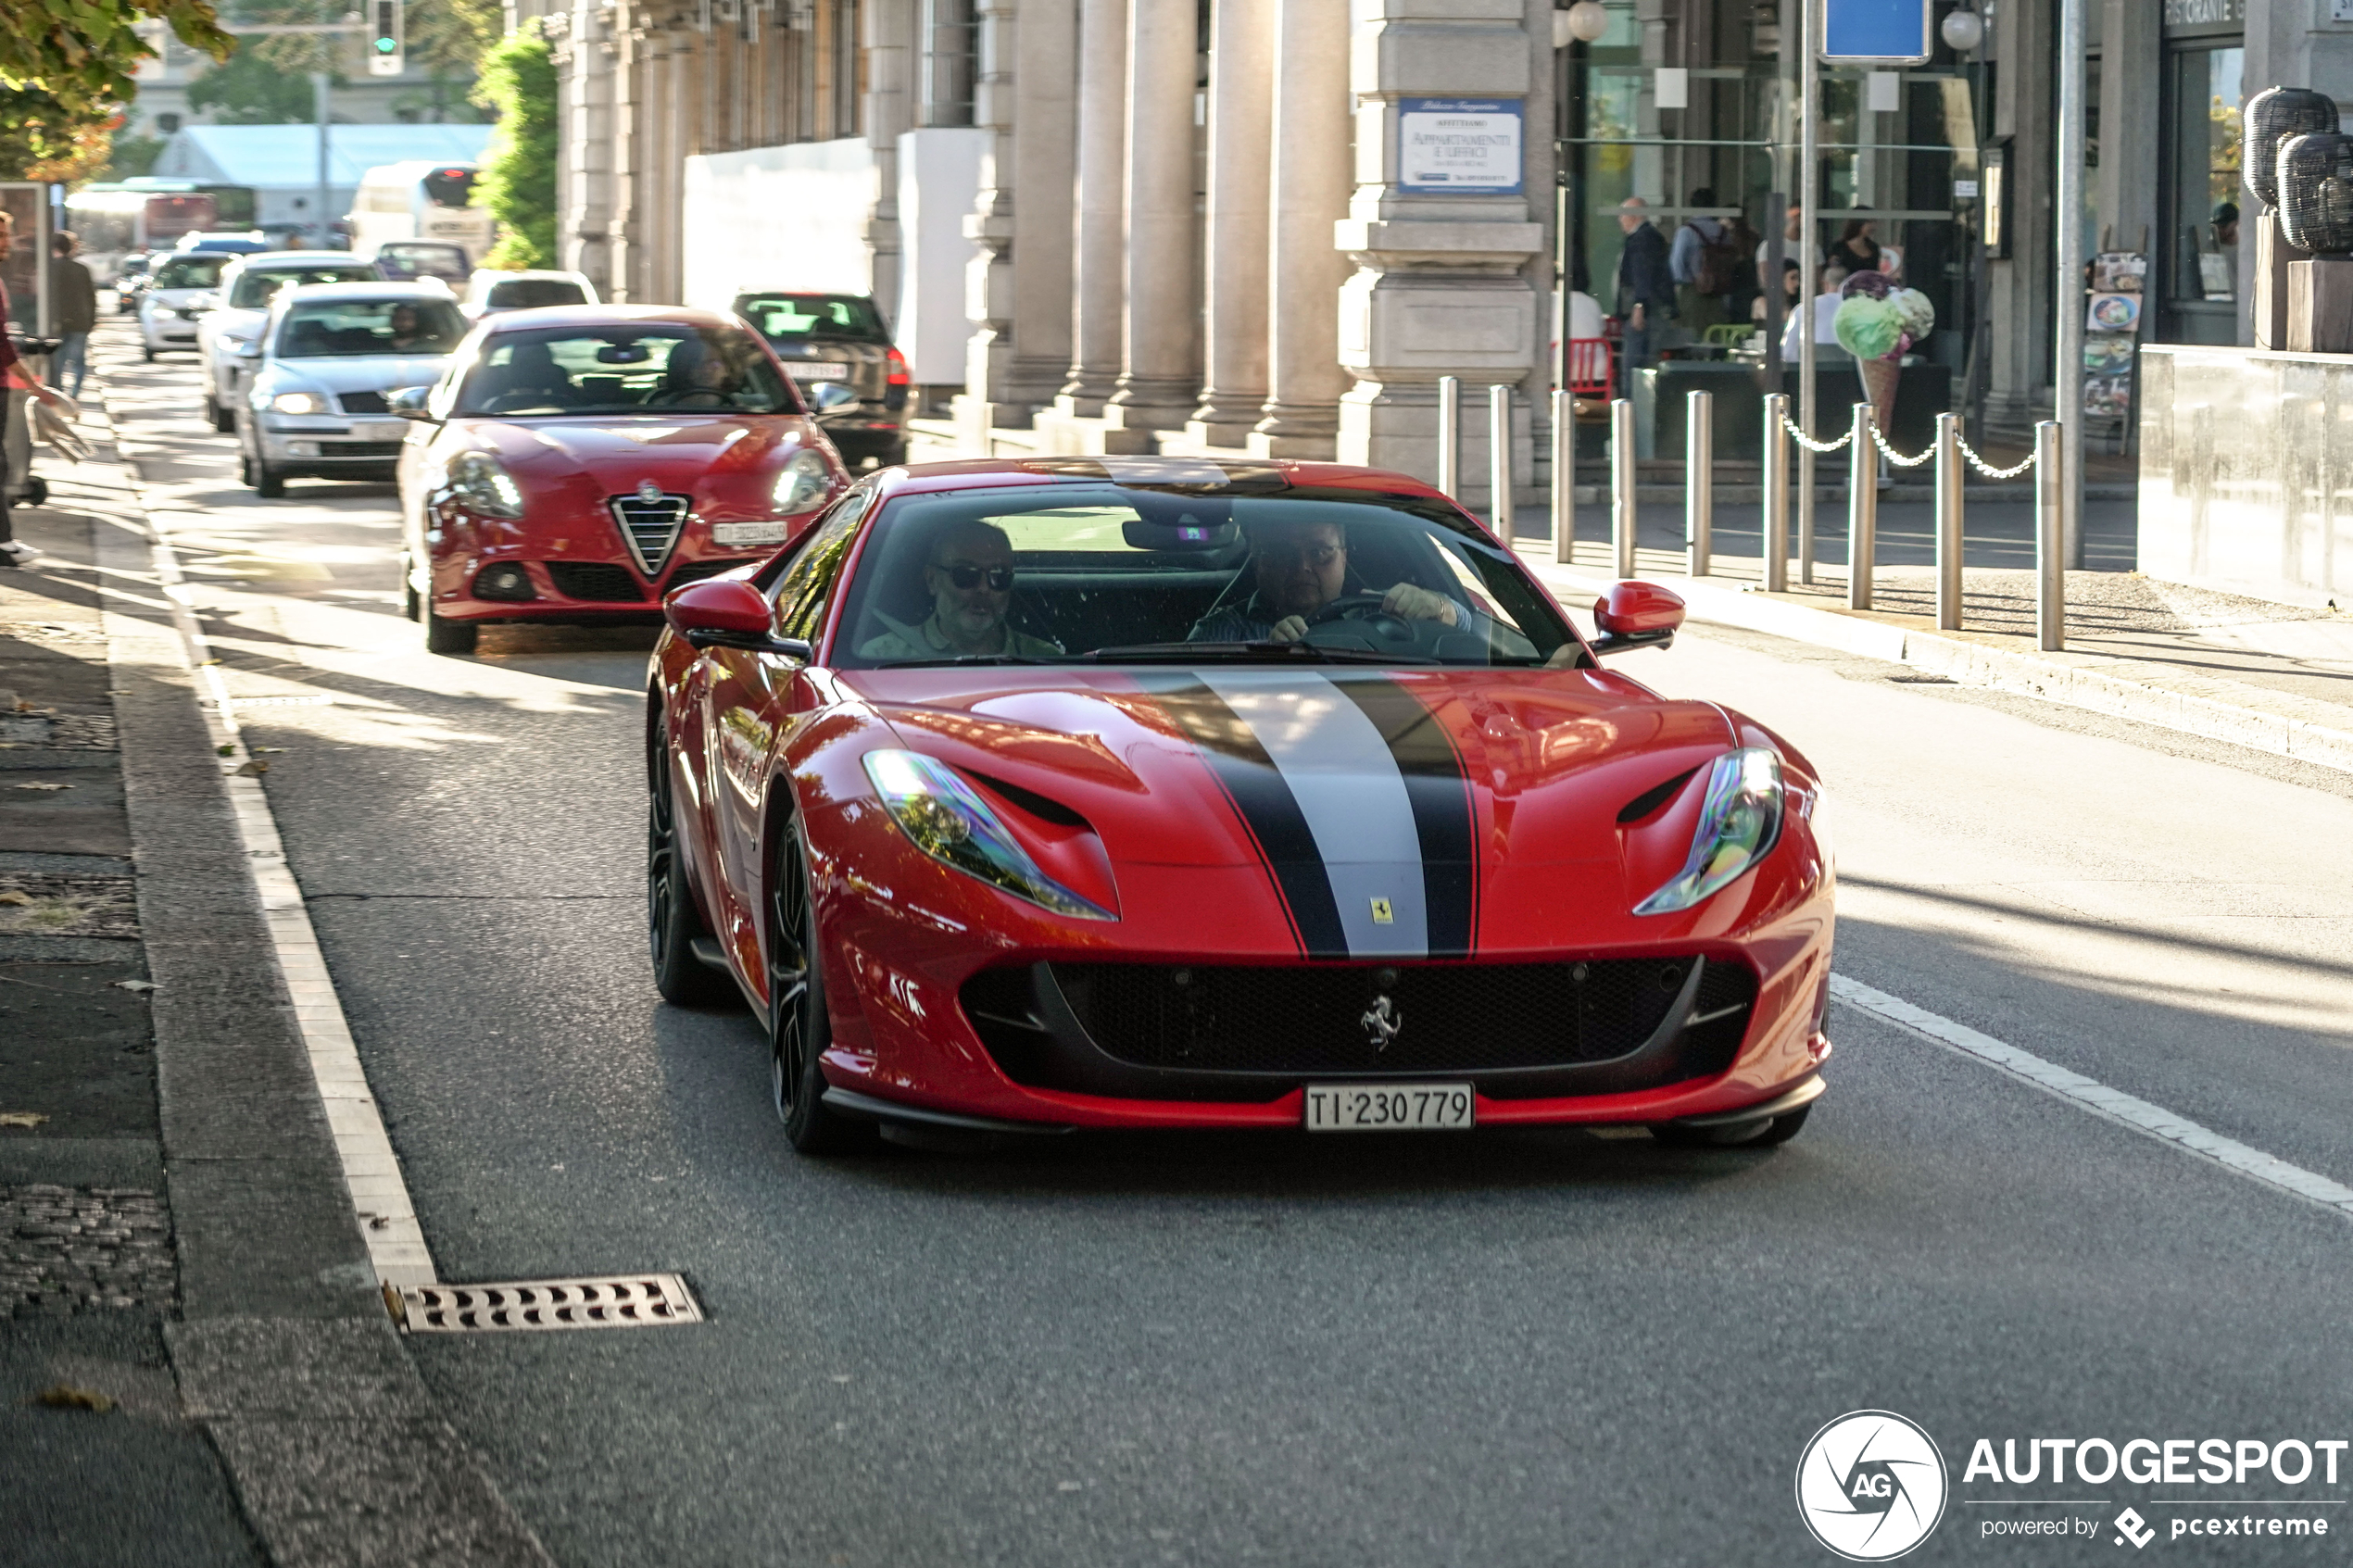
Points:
x=969 y=576
x=1294 y=569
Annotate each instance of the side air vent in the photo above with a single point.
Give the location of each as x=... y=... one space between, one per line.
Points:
x=1651 y=800
x=651 y=527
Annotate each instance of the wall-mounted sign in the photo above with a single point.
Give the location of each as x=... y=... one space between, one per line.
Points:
x=2203 y=14
x=1878 y=33
x=1459 y=146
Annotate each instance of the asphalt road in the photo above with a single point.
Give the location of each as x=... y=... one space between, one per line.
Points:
x=1512 y=1348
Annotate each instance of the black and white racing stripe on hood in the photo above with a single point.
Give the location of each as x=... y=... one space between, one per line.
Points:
x=1356 y=795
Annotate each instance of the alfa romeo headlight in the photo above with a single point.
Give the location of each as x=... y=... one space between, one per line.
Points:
x=298 y=403
x=1739 y=823
x=948 y=820
x=805 y=482
x=484 y=486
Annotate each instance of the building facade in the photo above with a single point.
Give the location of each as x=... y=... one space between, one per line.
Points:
x=1227 y=225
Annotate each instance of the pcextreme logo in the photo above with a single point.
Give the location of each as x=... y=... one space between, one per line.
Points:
x=1871 y=1486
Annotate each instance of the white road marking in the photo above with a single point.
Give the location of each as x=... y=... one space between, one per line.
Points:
x=371 y=1170
x=2090 y=1095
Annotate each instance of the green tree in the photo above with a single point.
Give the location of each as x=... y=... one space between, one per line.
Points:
x=130 y=155
x=250 y=90
x=40 y=139
x=79 y=53
x=518 y=178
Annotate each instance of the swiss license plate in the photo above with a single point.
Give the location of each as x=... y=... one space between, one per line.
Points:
x=379 y=430
x=747 y=533
x=821 y=369
x=1375 y=1108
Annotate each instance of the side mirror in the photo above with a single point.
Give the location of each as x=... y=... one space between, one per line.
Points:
x=248 y=348
x=728 y=614
x=409 y=403
x=1636 y=615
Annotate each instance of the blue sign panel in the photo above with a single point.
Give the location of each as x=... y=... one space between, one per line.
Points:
x=1459 y=146
x=1876 y=33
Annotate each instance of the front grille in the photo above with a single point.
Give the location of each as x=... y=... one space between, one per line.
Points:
x=651 y=528
x=1253 y=1033
x=361 y=402
x=596 y=580
x=383 y=449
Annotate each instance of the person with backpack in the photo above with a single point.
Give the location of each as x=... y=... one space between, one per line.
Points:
x=1707 y=263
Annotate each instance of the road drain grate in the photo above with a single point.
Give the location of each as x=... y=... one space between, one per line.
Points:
x=619 y=1302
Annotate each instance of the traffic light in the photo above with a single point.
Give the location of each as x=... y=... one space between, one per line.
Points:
x=383 y=38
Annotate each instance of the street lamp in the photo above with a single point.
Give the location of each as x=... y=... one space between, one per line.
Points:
x=1962 y=31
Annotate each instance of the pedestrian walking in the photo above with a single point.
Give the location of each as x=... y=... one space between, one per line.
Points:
x=1645 y=289
x=73 y=310
x=13 y=378
x=1705 y=266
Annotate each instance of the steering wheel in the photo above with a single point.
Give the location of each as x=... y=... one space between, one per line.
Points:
x=1365 y=608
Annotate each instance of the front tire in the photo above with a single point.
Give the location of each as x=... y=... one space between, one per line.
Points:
x=800 y=1029
x=444 y=635
x=673 y=923
x=224 y=419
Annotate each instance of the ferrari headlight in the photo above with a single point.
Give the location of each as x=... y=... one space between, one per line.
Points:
x=1739 y=823
x=805 y=482
x=484 y=486
x=298 y=403
x=948 y=820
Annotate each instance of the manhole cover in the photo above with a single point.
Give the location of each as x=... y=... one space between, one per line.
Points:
x=618 y=1301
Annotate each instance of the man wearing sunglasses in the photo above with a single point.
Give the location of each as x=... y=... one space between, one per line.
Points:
x=970 y=579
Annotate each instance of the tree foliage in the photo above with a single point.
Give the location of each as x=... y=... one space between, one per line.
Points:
x=79 y=53
x=518 y=178
x=252 y=90
x=41 y=140
x=449 y=38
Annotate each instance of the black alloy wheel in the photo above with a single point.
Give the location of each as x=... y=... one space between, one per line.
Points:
x=412 y=604
x=673 y=923
x=444 y=635
x=224 y=417
x=799 y=1026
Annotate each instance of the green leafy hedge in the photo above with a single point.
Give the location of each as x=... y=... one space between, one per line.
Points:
x=518 y=178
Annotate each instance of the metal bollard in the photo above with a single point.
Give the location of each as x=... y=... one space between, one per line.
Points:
x=1775 y=484
x=2050 y=540
x=1862 y=510
x=1450 y=437
x=1699 y=480
x=1948 y=522
x=1499 y=462
x=1564 y=477
x=1621 y=484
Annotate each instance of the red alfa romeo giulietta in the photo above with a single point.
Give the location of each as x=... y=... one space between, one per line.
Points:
x=576 y=463
x=1028 y=796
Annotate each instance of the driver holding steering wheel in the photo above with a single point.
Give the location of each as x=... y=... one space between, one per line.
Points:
x=1296 y=568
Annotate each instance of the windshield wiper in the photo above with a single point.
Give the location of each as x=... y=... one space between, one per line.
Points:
x=1244 y=653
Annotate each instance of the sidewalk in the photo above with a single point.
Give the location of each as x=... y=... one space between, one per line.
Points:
x=196 y=1361
x=2277 y=678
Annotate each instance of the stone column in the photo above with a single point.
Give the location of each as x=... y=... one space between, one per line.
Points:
x=1310 y=147
x=1098 y=279
x=1438 y=288
x=626 y=263
x=890 y=31
x=1159 y=329
x=584 y=172
x=2018 y=309
x=1241 y=104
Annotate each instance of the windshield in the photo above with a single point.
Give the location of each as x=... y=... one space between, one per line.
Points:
x=625 y=369
x=404 y=259
x=320 y=329
x=788 y=318
x=190 y=272
x=530 y=293
x=253 y=290
x=1119 y=573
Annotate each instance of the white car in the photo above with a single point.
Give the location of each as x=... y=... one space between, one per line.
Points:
x=318 y=373
x=244 y=295
x=490 y=291
x=183 y=289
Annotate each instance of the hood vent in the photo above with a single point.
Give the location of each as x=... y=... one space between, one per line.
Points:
x=651 y=524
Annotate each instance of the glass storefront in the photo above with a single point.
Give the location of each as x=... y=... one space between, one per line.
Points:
x=2197 y=271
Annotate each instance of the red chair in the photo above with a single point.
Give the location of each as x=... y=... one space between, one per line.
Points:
x=1590 y=374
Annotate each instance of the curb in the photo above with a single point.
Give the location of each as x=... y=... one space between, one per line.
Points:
x=1974 y=664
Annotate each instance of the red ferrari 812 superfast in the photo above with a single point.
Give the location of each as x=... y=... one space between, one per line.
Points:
x=1019 y=797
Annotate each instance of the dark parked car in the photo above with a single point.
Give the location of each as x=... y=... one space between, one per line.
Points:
x=839 y=352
